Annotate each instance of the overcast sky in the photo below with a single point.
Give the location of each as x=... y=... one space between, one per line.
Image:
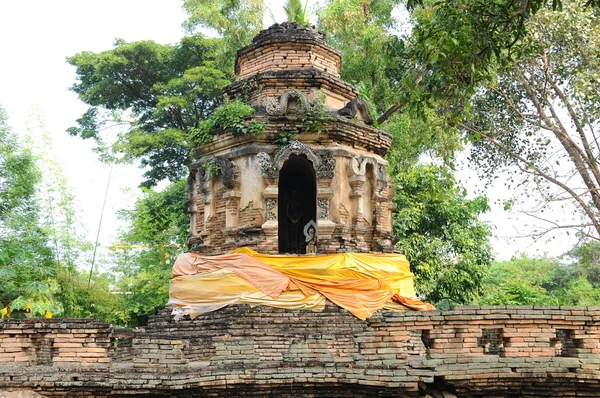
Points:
x=35 y=38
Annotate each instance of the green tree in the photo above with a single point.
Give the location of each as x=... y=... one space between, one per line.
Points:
x=369 y=36
x=40 y=246
x=521 y=281
x=586 y=258
x=440 y=233
x=158 y=231
x=296 y=11
x=539 y=119
x=235 y=21
x=160 y=93
x=539 y=281
x=27 y=267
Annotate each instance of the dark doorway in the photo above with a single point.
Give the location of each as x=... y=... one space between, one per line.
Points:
x=297 y=203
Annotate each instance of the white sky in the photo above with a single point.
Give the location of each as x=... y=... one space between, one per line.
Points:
x=35 y=38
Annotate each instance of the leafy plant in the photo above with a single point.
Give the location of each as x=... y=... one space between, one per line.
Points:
x=284 y=138
x=230 y=117
x=255 y=128
x=296 y=12
x=314 y=117
x=212 y=169
x=542 y=281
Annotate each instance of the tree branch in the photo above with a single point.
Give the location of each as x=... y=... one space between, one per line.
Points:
x=386 y=115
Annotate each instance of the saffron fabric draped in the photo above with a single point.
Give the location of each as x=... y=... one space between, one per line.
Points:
x=360 y=283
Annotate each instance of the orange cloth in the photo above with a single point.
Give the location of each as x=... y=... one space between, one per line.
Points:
x=266 y=279
x=360 y=283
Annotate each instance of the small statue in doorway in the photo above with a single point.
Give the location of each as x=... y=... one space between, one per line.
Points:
x=310 y=235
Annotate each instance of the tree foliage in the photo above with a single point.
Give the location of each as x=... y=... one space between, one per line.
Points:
x=160 y=93
x=540 y=116
x=542 y=281
x=26 y=262
x=370 y=36
x=235 y=21
x=296 y=11
x=440 y=233
x=158 y=231
x=40 y=246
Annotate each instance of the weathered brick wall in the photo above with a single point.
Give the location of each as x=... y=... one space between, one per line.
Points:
x=54 y=341
x=287 y=44
x=288 y=56
x=468 y=352
x=257 y=88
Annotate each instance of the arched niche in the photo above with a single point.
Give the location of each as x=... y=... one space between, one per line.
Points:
x=297 y=204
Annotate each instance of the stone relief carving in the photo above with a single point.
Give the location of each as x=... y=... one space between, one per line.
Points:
x=279 y=108
x=381 y=176
x=201 y=180
x=324 y=164
x=357 y=166
x=327 y=167
x=296 y=148
x=271 y=206
x=266 y=165
x=357 y=108
x=323 y=205
x=227 y=171
x=191 y=186
x=202 y=184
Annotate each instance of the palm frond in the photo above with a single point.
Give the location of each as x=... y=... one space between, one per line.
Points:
x=296 y=12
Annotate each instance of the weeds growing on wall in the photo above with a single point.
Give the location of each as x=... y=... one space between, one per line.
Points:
x=314 y=117
x=211 y=168
x=284 y=138
x=231 y=118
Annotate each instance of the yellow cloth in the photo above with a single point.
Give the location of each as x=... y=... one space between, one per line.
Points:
x=213 y=290
x=360 y=283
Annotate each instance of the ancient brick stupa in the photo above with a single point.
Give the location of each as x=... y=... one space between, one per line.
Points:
x=265 y=194
x=303 y=208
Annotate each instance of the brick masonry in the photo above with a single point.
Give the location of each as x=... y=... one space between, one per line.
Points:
x=468 y=352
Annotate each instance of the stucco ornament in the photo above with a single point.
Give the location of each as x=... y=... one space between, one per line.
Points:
x=202 y=184
x=382 y=175
x=357 y=108
x=279 y=108
x=296 y=148
x=267 y=168
x=271 y=205
x=327 y=167
x=323 y=205
x=227 y=170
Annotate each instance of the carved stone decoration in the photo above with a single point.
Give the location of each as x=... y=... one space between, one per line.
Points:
x=201 y=180
x=327 y=167
x=357 y=166
x=266 y=165
x=202 y=183
x=296 y=148
x=279 y=108
x=271 y=206
x=323 y=205
x=191 y=187
x=227 y=171
x=381 y=176
x=191 y=199
x=357 y=108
